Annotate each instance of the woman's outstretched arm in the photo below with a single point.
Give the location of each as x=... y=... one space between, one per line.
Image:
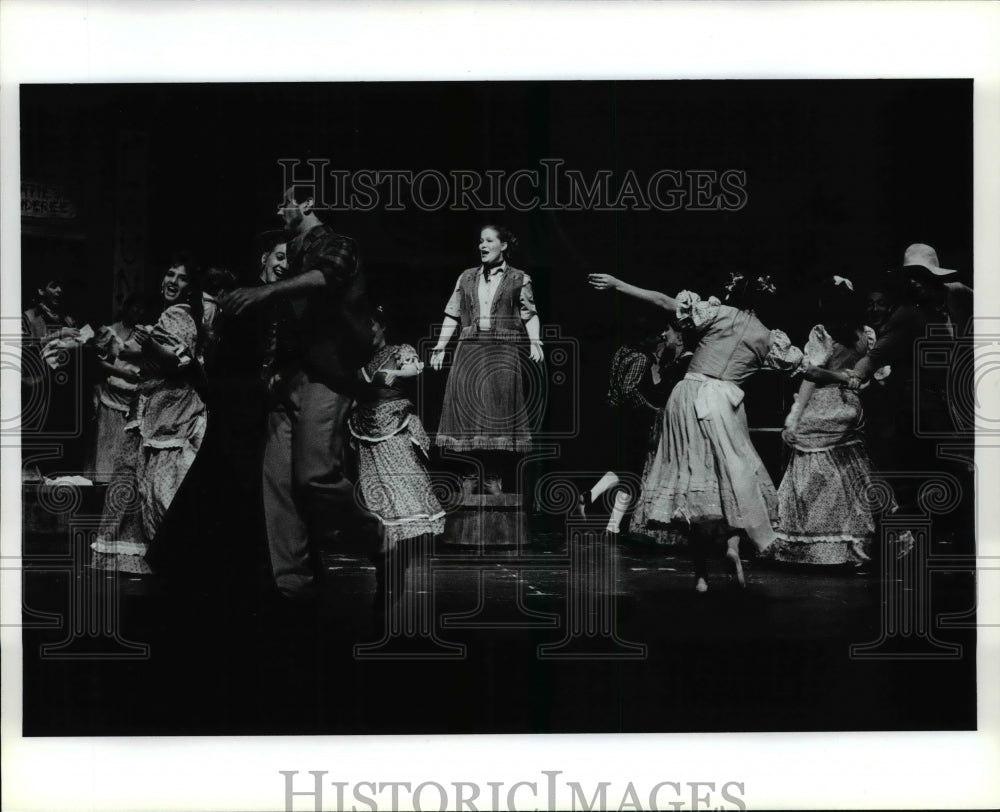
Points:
x=604 y=281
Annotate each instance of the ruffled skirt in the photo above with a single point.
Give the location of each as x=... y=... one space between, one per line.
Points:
x=162 y=440
x=823 y=505
x=393 y=478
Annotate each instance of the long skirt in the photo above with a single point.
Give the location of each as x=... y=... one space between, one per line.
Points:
x=395 y=486
x=484 y=401
x=823 y=501
x=109 y=438
x=640 y=524
x=706 y=468
x=164 y=436
x=121 y=542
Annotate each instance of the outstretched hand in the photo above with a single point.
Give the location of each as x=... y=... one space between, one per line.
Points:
x=536 y=353
x=602 y=281
x=238 y=300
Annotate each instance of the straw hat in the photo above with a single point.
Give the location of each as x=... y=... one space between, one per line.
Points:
x=920 y=258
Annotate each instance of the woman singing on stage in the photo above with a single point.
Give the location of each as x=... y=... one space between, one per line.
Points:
x=484 y=404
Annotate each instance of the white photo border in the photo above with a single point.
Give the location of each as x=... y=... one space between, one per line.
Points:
x=178 y=41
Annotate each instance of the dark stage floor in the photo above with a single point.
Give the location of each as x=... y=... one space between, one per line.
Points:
x=596 y=635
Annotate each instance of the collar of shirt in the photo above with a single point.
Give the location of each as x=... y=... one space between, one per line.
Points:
x=490 y=274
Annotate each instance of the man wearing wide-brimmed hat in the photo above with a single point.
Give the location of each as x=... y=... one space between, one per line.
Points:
x=939 y=286
x=930 y=296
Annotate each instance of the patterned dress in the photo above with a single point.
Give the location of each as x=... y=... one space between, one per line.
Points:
x=706 y=468
x=392 y=447
x=823 y=512
x=164 y=432
x=113 y=400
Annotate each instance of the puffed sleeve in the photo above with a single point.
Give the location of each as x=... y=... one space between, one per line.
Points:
x=107 y=343
x=527 y=300
x=176 y=331
x=783 y=354
x=818 y=348
x=405 y=354
x=695 y=313
x=454 y=306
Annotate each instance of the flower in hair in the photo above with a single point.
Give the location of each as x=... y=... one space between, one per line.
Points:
x=765 y=285
x=734 y=280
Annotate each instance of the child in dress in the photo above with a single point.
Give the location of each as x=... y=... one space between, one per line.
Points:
x=823 y=513
x=392 y=447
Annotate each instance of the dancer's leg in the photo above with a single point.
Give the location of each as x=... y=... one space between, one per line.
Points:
x=733 y=560
x=622 y=501
x=699 y=542
x=586 y=499
x=606 y=482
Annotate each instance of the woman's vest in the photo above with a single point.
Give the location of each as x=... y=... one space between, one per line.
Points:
x=505 y=311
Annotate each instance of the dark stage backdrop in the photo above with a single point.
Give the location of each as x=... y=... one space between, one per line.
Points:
x=839 y=177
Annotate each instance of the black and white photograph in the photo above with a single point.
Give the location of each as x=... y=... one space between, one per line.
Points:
x=397 y=409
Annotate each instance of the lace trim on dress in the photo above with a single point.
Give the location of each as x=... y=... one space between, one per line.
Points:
x=783 y=355
x=806 y=540
x=419 y=517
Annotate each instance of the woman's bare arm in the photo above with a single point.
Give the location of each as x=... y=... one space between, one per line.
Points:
x=604 y=281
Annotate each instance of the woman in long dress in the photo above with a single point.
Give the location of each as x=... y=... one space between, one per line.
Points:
x=164 y=429
x=485 y=410
x=115 y=393
x=706 y=472
x=392 y=444
x=672 y=367
x=823 y=511
x=392 y=449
